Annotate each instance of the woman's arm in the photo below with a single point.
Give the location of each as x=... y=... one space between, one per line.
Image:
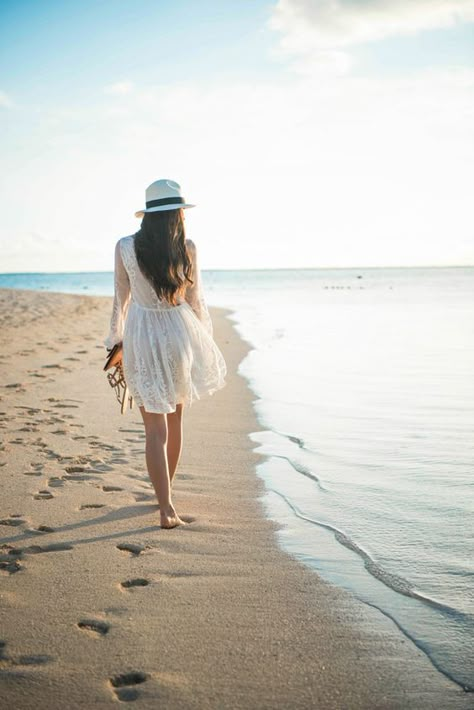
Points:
x=194 y=293
x=121 y=301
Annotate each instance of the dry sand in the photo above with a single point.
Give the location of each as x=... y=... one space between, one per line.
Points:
x=99 y=605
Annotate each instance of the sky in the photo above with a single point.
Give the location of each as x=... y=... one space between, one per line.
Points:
x=308 y=133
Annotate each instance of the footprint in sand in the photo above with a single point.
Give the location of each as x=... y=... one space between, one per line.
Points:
x=18 y=440
x=13 y=521
x=43 y=495
x=111 y=489
x=52 y=454
x=77 y=477
x=10 y=566
x=99 y=445
x=101 y=467
x=85 y=506
x=18 y=386
x=124 y=684
x=37 y=469
x=79 y=473
x=34 y=660
x=30 y=412
x=9 y=559
x=142 y=497
x=79 y=460
x=95 y=625
x=29 y=660
x=137 y=582
x=41 y=530
x=55 y=482
x=135 y=548
x=53 y=547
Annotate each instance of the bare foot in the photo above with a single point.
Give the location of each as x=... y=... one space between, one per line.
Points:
x=170 y=519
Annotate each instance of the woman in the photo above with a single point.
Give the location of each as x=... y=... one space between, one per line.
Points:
x=159 y=313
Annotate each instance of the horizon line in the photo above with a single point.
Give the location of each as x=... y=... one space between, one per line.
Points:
x=276 y=268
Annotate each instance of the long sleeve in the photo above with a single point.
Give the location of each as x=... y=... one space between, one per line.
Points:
x=195 y=294
x=122 y=296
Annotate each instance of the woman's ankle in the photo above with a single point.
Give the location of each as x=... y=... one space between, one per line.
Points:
x=167 y=509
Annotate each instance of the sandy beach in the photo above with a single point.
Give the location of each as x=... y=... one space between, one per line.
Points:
x=99 y=605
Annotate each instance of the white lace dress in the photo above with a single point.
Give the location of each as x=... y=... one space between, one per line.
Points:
x=169 y=354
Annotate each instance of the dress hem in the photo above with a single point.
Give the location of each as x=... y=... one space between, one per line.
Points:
x=186 y=402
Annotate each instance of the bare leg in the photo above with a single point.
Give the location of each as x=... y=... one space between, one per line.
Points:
x=156 y=431
x=175 y=440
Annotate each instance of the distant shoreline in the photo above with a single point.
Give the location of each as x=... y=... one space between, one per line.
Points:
x=279 y=268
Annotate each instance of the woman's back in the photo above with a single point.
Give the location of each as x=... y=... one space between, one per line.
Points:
x=132 y=287
x=142 y=292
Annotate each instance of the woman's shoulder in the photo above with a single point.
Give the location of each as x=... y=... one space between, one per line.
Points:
x=128 y=238
x=190 y=245
x=123 y=242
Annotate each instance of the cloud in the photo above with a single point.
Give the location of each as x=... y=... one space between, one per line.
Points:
x=335 y=23
x=325 y=30
x=31 y=251
x=119 y=88
x=5 y=100
x=288 y=172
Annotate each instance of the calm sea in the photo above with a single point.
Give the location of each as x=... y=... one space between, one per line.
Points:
x=364 y=385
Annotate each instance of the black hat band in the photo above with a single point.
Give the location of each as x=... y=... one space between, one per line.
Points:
x=165 y=201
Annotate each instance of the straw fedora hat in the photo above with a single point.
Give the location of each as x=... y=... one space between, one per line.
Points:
x=163 y=195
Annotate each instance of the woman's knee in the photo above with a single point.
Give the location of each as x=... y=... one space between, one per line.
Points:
x=177 y=414
x=155 y=424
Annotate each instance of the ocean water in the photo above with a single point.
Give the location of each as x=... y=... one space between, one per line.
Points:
x=364 y=387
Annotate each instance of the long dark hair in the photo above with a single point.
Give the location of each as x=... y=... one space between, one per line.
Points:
x=161 y=252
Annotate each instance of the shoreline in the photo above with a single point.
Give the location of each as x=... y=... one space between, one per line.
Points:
x=246 y=623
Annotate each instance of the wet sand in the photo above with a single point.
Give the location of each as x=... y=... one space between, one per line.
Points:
x=99 y=605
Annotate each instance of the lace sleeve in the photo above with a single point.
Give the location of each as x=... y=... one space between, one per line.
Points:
x=194 y=293
x=121 y=301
